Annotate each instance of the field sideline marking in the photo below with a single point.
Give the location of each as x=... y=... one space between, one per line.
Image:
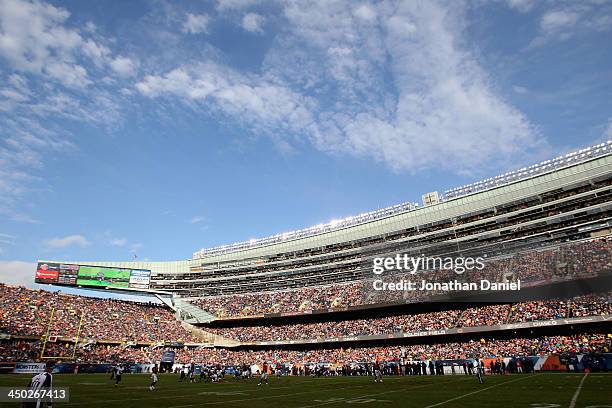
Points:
x=575 y=397
x=477 y=391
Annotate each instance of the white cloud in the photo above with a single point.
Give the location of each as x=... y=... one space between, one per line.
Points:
x=20 y=217
x=98 y=53
x=555 y=20
x=223 y=5
x=568 y=19
x=197 y=219
x=123 y=66
x=24 y=140
x=71 y=75
x=261 y=103
x=16 y=90
x=33 y=39
x=196 y=23
x=44 y=56
x=519 y=89
x=441 y=109
x=521 y=5
x=393 y=84
x=253 y=22
x=118 y=242
x=602 y=22
x=17 y=273
x=90 y=27
x=70 y=240
x=365 y=12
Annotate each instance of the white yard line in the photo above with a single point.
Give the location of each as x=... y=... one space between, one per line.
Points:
x=577 y=393
x=476 y=392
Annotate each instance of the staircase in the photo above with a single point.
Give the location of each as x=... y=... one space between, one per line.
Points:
x=191 y=313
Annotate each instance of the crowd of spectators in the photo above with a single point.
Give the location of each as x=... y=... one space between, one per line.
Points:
x=591 y=305
x=447 y=319
x=540 y=310
x=29 y=312
x=583 y=259
x=483 y=348
x=302 y=300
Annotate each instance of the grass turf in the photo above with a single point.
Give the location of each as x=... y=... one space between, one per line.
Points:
x=532 y=391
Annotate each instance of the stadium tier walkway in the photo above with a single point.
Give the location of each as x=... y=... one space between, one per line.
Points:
x=192 y=313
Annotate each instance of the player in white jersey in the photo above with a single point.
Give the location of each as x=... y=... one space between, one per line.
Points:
x=479 y=371
x=153 y=381
x=41 y=381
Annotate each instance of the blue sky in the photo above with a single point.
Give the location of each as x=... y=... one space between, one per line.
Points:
x=156 y=128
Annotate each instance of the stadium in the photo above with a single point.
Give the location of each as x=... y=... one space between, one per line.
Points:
x=302 y=306
x=306 y=204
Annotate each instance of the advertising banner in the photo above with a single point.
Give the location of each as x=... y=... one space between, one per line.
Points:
x=140 y=279
x=47 y=273
x=168 y=356
x=28 y=368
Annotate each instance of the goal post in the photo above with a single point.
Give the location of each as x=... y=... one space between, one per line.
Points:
x=47 y=336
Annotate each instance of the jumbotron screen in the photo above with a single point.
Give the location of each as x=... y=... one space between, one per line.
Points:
x=84 y=275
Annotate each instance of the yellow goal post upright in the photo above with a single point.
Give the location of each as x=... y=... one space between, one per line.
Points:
x=46 y=338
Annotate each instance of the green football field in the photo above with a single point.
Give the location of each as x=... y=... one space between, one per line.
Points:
x=539 y=390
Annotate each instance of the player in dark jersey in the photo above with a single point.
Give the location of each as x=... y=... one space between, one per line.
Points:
x=377 y=372
x=118 y=372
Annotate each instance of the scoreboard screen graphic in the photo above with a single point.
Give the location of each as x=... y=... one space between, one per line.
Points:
x=85 y=275
x=100 y=276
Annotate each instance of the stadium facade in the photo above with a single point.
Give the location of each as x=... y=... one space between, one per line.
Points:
x=558 y=200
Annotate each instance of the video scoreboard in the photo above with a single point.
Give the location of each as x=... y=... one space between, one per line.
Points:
x=85 y=275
